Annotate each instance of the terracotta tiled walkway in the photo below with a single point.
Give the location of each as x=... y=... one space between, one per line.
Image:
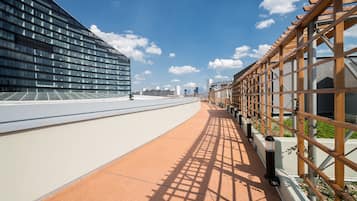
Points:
x=205 y=158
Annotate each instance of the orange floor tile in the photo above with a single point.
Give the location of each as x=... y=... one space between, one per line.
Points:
x=205 y=158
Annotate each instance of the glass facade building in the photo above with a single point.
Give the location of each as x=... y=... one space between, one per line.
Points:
x=44 y=49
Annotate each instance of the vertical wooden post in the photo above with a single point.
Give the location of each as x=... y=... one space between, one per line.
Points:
x=293 y=116
x=251 y=91
x=256 y=97
x=339 y=81
x=251 y=98
x=253 y=95
x=237 y=89
x=245 y=88
x=266 y=97
x=269 y=98
x=281 y=91
x=262 y=98
x=236 y=94
x=240 y=96
x=300 y=103
x=249 y=88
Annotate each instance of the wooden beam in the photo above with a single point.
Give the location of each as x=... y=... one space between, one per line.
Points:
x=344 y=1
x=299 y=17
x=257 y=114
x=330 y=11
x=318 y=8
x=269 y=97
x=256 y=97
x=300 y=102
x=294 y=23
x=241 y=96
x=339 y=97
x=248 y=96
x=313 y=1
x=262 y=98
x=347 y=24
x=308 y=7
x=281 y=90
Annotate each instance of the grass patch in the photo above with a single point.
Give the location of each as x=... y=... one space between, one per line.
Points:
x=324 y=130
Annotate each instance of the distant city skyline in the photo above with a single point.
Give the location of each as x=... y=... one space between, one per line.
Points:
x=188 y=42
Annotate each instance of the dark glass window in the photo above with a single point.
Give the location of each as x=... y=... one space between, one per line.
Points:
x=43 y=47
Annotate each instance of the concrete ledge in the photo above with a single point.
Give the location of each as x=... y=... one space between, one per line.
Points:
x=38 y=161
x=26 y=115
x=286 y=157
x=289 y=189
x=286 y=160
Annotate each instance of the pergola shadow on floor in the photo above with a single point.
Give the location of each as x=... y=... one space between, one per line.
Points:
x=205 y=158
x=220 y=165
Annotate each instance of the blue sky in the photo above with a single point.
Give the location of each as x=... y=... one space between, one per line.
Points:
x=186 y=42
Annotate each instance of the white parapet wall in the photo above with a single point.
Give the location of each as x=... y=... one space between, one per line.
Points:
x=38 y=161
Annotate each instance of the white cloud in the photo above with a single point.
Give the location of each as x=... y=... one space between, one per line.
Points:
x=351 y=32
x=241 y=52
x=142 y=76
x=225 y=64
x=166 y=86
x=135 y=82
x=190 y=85
x=175 y=80
x=172 y=55
x=153 y=49
x=221 y=77
x=139 y=77
x=279 y=6
x=262 y=49
x=147 y=72
x=264 y=24
x=129 y=31
x=263 y=15
x=131 y=45
x=178 y=70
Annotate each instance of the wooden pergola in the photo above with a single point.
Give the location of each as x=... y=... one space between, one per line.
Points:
x=324 y=21
x=221 y=94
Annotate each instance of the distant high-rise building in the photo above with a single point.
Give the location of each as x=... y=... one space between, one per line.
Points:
x=178 y=90
x=209 y=83
x=155 y=92
x=44 y=49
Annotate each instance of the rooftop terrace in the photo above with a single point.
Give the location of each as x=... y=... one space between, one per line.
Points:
x=205 y=158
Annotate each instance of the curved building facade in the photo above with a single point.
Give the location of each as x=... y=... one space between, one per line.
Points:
x=44 y=49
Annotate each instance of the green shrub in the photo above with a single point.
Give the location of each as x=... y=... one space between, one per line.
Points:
x=324 y=130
